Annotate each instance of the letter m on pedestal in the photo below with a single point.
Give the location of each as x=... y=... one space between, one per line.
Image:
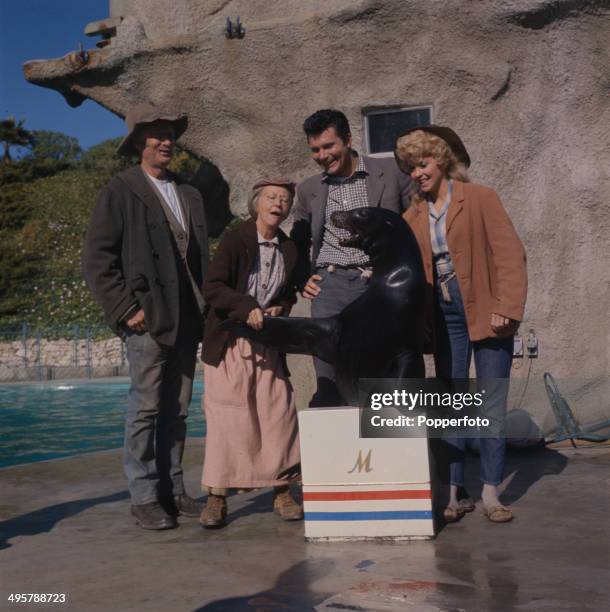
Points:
x=362 y=464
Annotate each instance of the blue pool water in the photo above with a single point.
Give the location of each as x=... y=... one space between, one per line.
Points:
x=48 y=420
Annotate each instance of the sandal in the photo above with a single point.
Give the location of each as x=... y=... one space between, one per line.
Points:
x=498 y=514
x=452 y=515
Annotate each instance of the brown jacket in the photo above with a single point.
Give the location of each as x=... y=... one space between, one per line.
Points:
x=225 y=288
x=487 y=254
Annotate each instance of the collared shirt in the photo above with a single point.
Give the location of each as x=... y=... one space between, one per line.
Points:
x=168 y=191
x=344 y=194
x=438 y=234
x=268 y=273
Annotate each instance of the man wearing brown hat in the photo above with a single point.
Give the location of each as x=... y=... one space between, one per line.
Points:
x=144 y=259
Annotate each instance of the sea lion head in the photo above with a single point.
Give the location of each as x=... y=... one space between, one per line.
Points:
x=371 y=229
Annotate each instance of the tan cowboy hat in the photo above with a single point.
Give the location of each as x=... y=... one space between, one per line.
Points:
x=448 y=135
x=141 y=114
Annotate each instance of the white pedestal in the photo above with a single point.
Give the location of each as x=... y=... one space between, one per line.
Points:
x=355 y=489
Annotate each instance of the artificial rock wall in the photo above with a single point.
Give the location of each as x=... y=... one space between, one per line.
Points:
x=524 y=82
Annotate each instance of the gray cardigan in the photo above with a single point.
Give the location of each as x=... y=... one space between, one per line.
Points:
x=387 y=187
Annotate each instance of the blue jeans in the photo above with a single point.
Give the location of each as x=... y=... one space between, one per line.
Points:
x=155 y=426
x=492 y=358
x=338 y=290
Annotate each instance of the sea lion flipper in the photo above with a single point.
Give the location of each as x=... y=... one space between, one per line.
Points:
x=297 y=335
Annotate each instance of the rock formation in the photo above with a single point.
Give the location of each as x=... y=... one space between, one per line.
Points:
x=524 y=82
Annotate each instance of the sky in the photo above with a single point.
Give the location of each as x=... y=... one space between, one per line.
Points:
x=45 y=29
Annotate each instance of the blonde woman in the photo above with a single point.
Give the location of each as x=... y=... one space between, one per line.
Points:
x=475 y=267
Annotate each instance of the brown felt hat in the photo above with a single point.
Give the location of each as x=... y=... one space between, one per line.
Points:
x=448 y=135
x=279 y=182
x=141 y=114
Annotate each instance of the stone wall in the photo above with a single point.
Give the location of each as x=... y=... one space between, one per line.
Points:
x=44 y=359
x=61 y=353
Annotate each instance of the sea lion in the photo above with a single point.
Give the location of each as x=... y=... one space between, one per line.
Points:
x=380 y=334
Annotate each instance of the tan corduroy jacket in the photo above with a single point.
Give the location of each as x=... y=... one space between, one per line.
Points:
x=488 y=257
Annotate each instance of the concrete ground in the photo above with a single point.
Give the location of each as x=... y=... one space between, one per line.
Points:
x=65 y=528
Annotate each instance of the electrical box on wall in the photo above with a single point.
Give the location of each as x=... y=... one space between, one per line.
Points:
x=517 y=346
x=531 y=345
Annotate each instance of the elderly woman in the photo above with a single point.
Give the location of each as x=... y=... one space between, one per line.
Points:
x=252 y=437
x=475 y=267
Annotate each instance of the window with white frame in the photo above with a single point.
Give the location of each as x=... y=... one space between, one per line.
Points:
x=383 y=125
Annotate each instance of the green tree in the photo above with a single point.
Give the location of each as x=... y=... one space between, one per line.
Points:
x=103 y=157
x=18 y=265
x=13 y=134
x=54 y=146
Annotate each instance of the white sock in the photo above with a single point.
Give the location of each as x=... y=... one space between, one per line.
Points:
x=490 y=496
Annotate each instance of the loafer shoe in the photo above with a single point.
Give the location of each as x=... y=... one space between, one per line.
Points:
x=214 y=513
x=153 y=516
x=285 y=506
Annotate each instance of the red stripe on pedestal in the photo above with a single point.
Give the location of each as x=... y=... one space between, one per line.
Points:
x=365 y=495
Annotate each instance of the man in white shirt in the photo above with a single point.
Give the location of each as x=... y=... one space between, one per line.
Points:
x=144 y=259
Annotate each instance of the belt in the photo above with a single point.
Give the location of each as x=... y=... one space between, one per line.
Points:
x=365 y=271
x=444 y=267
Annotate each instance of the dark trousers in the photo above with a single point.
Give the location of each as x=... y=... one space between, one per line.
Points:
x=338 y=290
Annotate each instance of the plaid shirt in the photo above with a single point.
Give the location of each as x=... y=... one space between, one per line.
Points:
x=343 y=195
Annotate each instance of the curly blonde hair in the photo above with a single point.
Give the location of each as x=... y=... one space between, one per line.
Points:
x=413 y=147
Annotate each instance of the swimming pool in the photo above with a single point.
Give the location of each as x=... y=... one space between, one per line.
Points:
x=49 y=420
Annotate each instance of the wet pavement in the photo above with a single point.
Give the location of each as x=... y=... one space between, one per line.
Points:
x=65 y=528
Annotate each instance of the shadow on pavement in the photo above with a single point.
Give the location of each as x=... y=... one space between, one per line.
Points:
x=43 y=520
x=291 y=591
x=528 y=468
x=260 y=504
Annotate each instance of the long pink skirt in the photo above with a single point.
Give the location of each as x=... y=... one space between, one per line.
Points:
x=252 y=431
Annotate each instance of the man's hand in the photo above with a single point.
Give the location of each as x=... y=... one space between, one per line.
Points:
x=255 y=319
x=312 y=289
x=503 y=326
x=274 y=311
x=137 y=323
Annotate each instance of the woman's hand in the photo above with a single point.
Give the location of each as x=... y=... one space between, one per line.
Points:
x=503 y=326
x=274 y=311
x=255 y=319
